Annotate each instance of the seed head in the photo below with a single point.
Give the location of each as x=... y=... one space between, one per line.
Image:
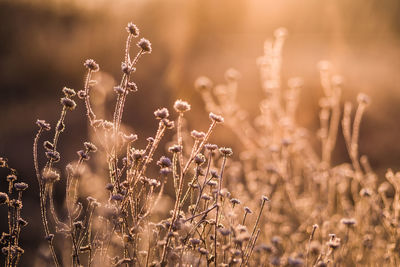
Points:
x=83 y=155
x=90 y=147
x=181 y=106
x=161 y=113
x=348 y=221
x=197 y=135
x=117 y=197
x=130 y=138
x=68 y=103
x=164 y=162
x=165 y=171
x=20 y=186
x=199 y=159
x=203 y=83
x=127 y=69
x=226 y=151
x=43 y=124
x=216 y=118
x=53 y=155
x=247 y=210
x=145 y=45
x=68 y=92
x=168 y=124
x=211 y=147
x=132 y=29
x=235 y=201
x=175 y=149
x=264 y=198
x=91 y=65
x=50 y=176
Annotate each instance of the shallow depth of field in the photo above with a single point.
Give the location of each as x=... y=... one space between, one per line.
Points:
x=242 y=133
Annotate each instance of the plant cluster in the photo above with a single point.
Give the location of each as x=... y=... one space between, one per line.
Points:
x=319 y=214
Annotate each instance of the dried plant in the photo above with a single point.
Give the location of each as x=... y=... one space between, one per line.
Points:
x=13 y=200
x=221 y=215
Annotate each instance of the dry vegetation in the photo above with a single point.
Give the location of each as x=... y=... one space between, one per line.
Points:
x=277 y=202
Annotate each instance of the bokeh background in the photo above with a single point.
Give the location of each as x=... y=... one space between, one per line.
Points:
x=43 y=44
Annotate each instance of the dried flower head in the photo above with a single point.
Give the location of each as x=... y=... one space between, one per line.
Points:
x=20 y=186
x=43 y=124
x=161 y=113
x=247 y=210
x=117 y=197
x=50 y=176
x=130 y=138
x=90 y=147
x=175 y=149
x=226 y=151
x=91 y=65
x=69 y=92
x=216 y=118
x=68 y=103
x=164 y=162
x=199 y=159
x=132 y=29
x=348 y=221
x=203 y=83
x=211 y=147
x=198 y=135
x=145 y=45
x=53 y=155
x=181 y=106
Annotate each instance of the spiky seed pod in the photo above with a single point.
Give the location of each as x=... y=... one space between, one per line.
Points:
x=145 y=45
x=132 y=29
x=164 y=162
x=161 y=113
x=91 y=65
x=168 y=123
x=68 y=103
x=119 y=90
x=127 y=69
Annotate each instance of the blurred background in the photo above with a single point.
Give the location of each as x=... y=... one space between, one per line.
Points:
x=43 y=45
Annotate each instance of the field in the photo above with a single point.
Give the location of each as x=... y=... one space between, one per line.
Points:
x=235 y=134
